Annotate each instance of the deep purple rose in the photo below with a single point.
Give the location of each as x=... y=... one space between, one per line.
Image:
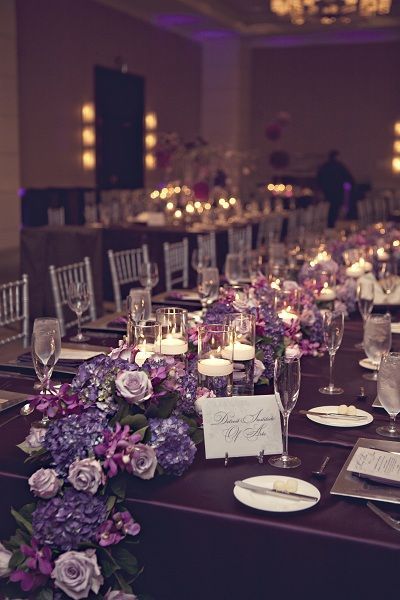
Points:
x=141 y=461
x=86 y=475
x=77 y=573
x=45 y=483
x=134 y=386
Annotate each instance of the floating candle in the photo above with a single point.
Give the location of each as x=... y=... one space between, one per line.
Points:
x=287 y=316
x=172 y=346
x=215 y=367
x=240 y=351
x=326 y=294
x=356 y=270
x=382 y=254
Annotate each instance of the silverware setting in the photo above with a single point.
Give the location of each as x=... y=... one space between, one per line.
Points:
x=394 y=523
x=270 y=492
x=320 y=474
x=333 y=415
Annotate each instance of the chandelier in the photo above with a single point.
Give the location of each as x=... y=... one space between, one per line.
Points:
x=328 y=12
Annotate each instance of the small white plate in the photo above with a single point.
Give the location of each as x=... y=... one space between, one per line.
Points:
x=276 y=504
x=367 y=364
x=395 y=327
x=336 y=422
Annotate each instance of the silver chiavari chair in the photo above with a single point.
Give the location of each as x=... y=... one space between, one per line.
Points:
x=60 y=278
x=207 y=246
x=56 y=216
x=124 y=267
x=176 y=258
x=14 y=310
x=240 y=239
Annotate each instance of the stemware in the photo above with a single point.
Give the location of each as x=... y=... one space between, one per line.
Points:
x=377 y=341
x=200 y=260
x=136 y=304
x=78 y=301
x=389 y=392
x=333 y=327
x=233 y=268
x=365 y=302
x=208 y=286
x=387 y=277
x=287 y=376
x=45 y=348
x=148 y=275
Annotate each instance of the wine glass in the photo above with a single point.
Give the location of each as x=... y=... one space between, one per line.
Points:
x=136 y=303
x=78 y=301
x=389 y=392
x=333 y=327
x=200 y=260
x=377 y=341
x=233 y=268
x=208 y=286
x=287 y=377
x=387 y=277
x=45 y=348
x=148 y=275
x=365 y=302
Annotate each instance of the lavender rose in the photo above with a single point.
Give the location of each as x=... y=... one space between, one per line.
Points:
x=201 y=394
x=45 y=483
x=307 y=317
x=86 y=475
x=134 y=386
x=34 y=440
x=142 y=461
x=119 y=595
x=77 y=573
x=258 y=369
x=5 y=556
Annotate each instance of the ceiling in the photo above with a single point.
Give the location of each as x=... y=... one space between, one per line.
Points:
x=203 y=20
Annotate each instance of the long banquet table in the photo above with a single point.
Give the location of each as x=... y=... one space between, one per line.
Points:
x=199 y=542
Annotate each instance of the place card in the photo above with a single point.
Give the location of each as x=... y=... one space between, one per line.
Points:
x=241 y=426
x=377 y=464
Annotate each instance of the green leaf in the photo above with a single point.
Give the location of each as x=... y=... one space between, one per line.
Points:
x=197 y=436
x=142 y=432
x=166 y=405
x=123 y=584
x=108 y=564
x=110 y=503
x=118 y=486
x=27 y=511
x=21 y=520
x=18 y=538
x=126 y=560
x=44 y=594
x=134 y=421
x=17 y=559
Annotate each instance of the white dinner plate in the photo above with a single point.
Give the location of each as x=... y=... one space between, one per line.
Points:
x=276 y=504
x=395 y=327
x=335 y=421
x=367 y=364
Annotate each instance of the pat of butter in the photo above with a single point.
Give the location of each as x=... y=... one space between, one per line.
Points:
x=290 y=485
x=343 y=409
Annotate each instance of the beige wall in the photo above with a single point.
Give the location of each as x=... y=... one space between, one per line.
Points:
x=59 y=42
x=9 y=159
x=345 y=97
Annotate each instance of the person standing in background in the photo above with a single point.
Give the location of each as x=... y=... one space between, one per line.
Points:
x=333 y=178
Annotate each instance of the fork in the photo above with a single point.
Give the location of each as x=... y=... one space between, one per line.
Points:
x=394 y=523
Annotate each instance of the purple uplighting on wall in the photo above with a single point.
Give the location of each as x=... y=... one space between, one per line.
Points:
x=213 y=34
x=174 y=20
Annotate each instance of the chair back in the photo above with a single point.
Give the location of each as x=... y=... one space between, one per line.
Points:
x=240 y=239
x=207 y=246
x=14 y=310
x=61 y=277
x=124 y=267
x=176 y=258
x=56 y=216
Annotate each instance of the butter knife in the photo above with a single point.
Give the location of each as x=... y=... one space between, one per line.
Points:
x=269 y=492
x=333 y=415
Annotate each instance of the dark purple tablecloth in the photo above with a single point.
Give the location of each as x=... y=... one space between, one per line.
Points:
x=199 y=542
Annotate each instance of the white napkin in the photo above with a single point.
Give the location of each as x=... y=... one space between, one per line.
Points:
x=77 y=354
x=379 y=295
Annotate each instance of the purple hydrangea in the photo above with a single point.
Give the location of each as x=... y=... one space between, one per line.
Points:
x=66 y=521
x=73 y=437
x=187 y=399
x=174 y=449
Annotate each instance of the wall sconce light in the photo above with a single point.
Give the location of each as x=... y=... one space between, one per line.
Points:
x=151 y=121
x=88 y=112
x=396 y=146
x=89 y=159
x=396 y=149
x=150 y=140
x=150 y=161
x=396 y=164
x=88 y=134
x=397 y=128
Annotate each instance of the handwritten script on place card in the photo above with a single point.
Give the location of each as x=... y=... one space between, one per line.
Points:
x=376 y=463
x=241 y=426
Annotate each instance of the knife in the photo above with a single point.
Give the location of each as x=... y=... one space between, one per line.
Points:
x=333 y=415
x=269 y=492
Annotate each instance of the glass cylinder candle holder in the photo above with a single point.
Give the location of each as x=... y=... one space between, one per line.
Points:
x=146 y=340
x=244 y=352
x=325 y=288
x=288 y=305
x=173 y=337
x=215 y=358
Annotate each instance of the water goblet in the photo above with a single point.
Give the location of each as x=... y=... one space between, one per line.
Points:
x=377 y=341
x=148 y=275
x=388 y=280
x=333 y=328
x=200 y=260
x=136 y=304
x=208 y=286
x=233 y=268
x=389 y=392
x=365 y=302
x=287 y=376
x=78 y=301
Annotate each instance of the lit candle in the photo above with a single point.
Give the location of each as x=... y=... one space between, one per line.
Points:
x=215 y=367
x=322 y=257
x=287 y=316
x=356 y=270
x=365 y=264
x=173 y=346
x=240 y=351
x=145 y=351
x=326 y=294
x=382 y=254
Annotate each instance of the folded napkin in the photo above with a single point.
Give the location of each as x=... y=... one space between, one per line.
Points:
x=187 y=296
x=120 y=322
x=69 y=357
x=379 y=295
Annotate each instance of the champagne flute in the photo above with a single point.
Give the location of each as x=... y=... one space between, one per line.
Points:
x=148 y=275
x=377 y=341
x=388 y=280
x=50 y=325
x=78 y=301
x=287 y=377
x=389 y=392
x=136 y=306
x=233 y=268
x=208 y=286
x=365 y=302
x=333 y=328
